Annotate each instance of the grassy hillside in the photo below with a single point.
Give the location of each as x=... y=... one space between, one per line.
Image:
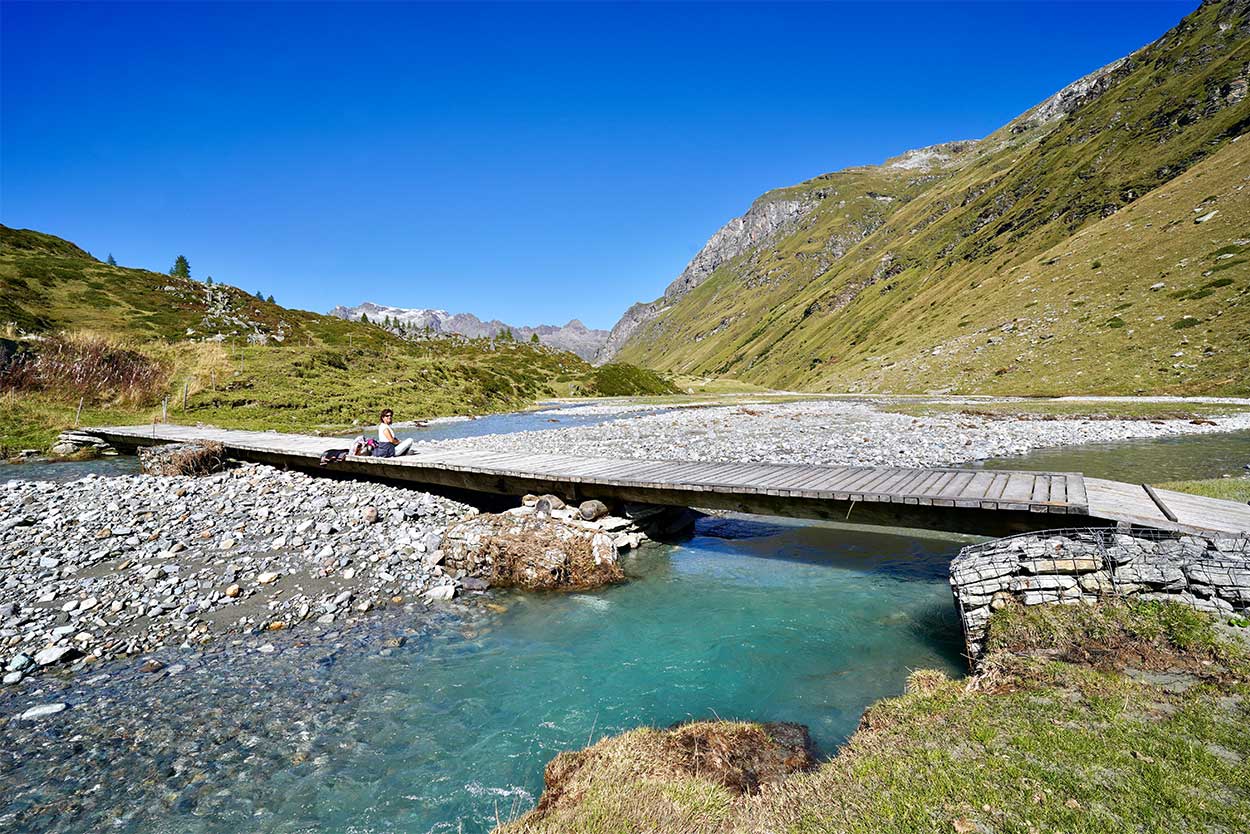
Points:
x=1022 y=263
x=242 y=362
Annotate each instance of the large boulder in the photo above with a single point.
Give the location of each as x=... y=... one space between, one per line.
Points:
x=531 y=551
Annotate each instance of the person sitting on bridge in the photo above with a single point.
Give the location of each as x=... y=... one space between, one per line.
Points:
x=388 y=444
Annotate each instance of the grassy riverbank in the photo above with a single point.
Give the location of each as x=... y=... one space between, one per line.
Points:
x=1230 y=489
x=1117 y=718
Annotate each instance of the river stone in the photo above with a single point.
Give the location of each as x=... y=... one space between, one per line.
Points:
x=532 y=552
x=43 y=711
x=441 y=593
x=592 y=510
x=57 y=654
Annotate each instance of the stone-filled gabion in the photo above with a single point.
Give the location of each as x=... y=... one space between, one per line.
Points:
x=1083 y=565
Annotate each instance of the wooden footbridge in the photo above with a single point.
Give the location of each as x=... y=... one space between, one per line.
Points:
x=943 y=498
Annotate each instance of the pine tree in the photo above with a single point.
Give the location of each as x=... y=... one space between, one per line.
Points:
x=270 y=299
x=260 y=296
x=181 y=267
x=364 y=319
x=209 y=280
x=534 y=338
x=111 y=261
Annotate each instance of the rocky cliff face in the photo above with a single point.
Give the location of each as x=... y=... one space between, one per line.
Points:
x=574 y=337
x=764 y=220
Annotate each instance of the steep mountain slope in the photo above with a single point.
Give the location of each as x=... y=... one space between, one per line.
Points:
x=574 y=337
x=879 y=275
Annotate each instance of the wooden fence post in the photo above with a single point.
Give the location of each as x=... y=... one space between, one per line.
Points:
x=78 y=414
x=165 y=410
x=185 y=386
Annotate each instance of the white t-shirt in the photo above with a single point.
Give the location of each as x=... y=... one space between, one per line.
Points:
x=385 y=435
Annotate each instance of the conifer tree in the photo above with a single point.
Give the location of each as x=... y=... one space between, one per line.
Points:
x=364 y=319
x=260 y=296
x=181 y=267
x=270 y=299
x=534 y=338
x=111 y=261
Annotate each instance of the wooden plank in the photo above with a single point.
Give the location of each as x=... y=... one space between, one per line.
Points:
x=955 y=487
x=890 y=485
x=718 y=473
x=1059 y=489
x=978 y=486
x=812 y=476
x=905 y=490
x=839 y=478
x=1018 y=490
x=770 y=476
x=934 y=490
x=1076 y=492
x=640 y=472
x=931 y=479
x=917 y=477
x=1041 y=489
x=683 y=474
x=995 y=491
x=801 y=475
x=863 y=482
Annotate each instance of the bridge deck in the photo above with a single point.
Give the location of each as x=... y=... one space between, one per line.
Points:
x=970 y=500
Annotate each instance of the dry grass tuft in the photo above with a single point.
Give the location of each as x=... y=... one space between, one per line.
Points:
x=200 y=458
x=926 y=681
x=84 y=365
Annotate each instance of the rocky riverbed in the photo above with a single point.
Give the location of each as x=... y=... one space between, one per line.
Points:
x=108 y=567
x=232 y=736
x=829 y=432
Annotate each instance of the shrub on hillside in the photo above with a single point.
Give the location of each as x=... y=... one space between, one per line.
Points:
x=91 y=367
x=621 y=380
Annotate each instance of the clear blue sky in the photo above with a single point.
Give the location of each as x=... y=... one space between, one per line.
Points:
x=532 y=163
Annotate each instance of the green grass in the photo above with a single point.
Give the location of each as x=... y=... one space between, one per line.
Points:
x=246 y=363
x=1230 y=489
x=1006 y=237
x=1030 y=744
x=617 y=380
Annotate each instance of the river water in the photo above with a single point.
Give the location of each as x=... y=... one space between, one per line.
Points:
x=351 y=732
x=746 y=619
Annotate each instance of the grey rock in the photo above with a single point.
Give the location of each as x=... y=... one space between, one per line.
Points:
x=440 y=593
x=592 y=510
x=43 y=711
x=57 y=654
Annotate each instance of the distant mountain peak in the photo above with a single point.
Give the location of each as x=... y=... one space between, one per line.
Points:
x=574 y=337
